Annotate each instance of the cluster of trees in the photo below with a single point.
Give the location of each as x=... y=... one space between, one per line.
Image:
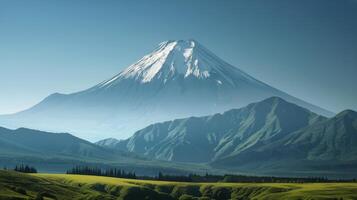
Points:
x=111 y=172
x=238 y=178
x=25 y=169
x=272 y=179
x=115 y=172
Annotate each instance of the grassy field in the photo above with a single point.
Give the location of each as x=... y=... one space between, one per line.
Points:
x=58 y=186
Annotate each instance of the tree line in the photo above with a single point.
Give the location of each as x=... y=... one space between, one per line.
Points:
x=120 y=173
x=25 y=169
x=239 y=178
x=111 y=172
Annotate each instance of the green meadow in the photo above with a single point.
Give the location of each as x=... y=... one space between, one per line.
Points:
x=14 y=185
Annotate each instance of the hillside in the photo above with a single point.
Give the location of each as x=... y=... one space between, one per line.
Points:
x=206 y=139
x=29 y=142
x=57 y=152
x=58 y=186
x=326 y=145
x=272 y=137
x=333 y=139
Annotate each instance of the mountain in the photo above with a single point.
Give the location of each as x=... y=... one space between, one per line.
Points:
x=332 y=139
x=272 y=137
x=28 y=142
x=327 y=145
x=58 y=152
x=178 y=79
x=210 y=138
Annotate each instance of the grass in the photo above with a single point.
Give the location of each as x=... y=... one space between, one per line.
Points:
x=15 y=185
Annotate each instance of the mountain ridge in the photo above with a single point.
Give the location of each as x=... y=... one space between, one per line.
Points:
x=327 y=145
x=58 y=152
x=273 y=136
x=220 y=135
x=29 y=142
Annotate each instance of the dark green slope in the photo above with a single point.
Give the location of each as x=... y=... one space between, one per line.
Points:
x=205 y=139
x=329 y=145
x=334 y=139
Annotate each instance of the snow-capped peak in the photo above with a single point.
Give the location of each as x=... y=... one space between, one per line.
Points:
x=173 y=58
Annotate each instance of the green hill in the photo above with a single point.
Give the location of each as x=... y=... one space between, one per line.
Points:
x=15 y=185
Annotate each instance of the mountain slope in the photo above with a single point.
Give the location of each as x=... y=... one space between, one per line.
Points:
x=205 y=139
x=333 y=139
x=27 y=142
x=178 y=79
x=58 y=152
x=327 y=145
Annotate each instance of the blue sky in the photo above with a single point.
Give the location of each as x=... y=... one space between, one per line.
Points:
x=305 y=48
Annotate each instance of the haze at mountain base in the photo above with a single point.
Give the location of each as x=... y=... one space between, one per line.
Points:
x=178 y=79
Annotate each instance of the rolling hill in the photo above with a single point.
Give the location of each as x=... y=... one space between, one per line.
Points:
x=59 y=186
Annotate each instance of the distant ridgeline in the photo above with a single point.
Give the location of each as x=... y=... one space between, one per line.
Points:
x=119 y=173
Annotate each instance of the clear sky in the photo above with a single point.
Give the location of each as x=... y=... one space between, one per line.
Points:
x=307 y=48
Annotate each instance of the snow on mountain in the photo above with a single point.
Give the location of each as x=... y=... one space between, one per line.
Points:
x=172 y=59
x=109 y=142
x=178 y=79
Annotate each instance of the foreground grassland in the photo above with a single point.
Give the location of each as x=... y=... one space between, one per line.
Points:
x=58 y=186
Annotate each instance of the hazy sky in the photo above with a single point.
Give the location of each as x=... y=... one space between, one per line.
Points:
x=305 y=48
